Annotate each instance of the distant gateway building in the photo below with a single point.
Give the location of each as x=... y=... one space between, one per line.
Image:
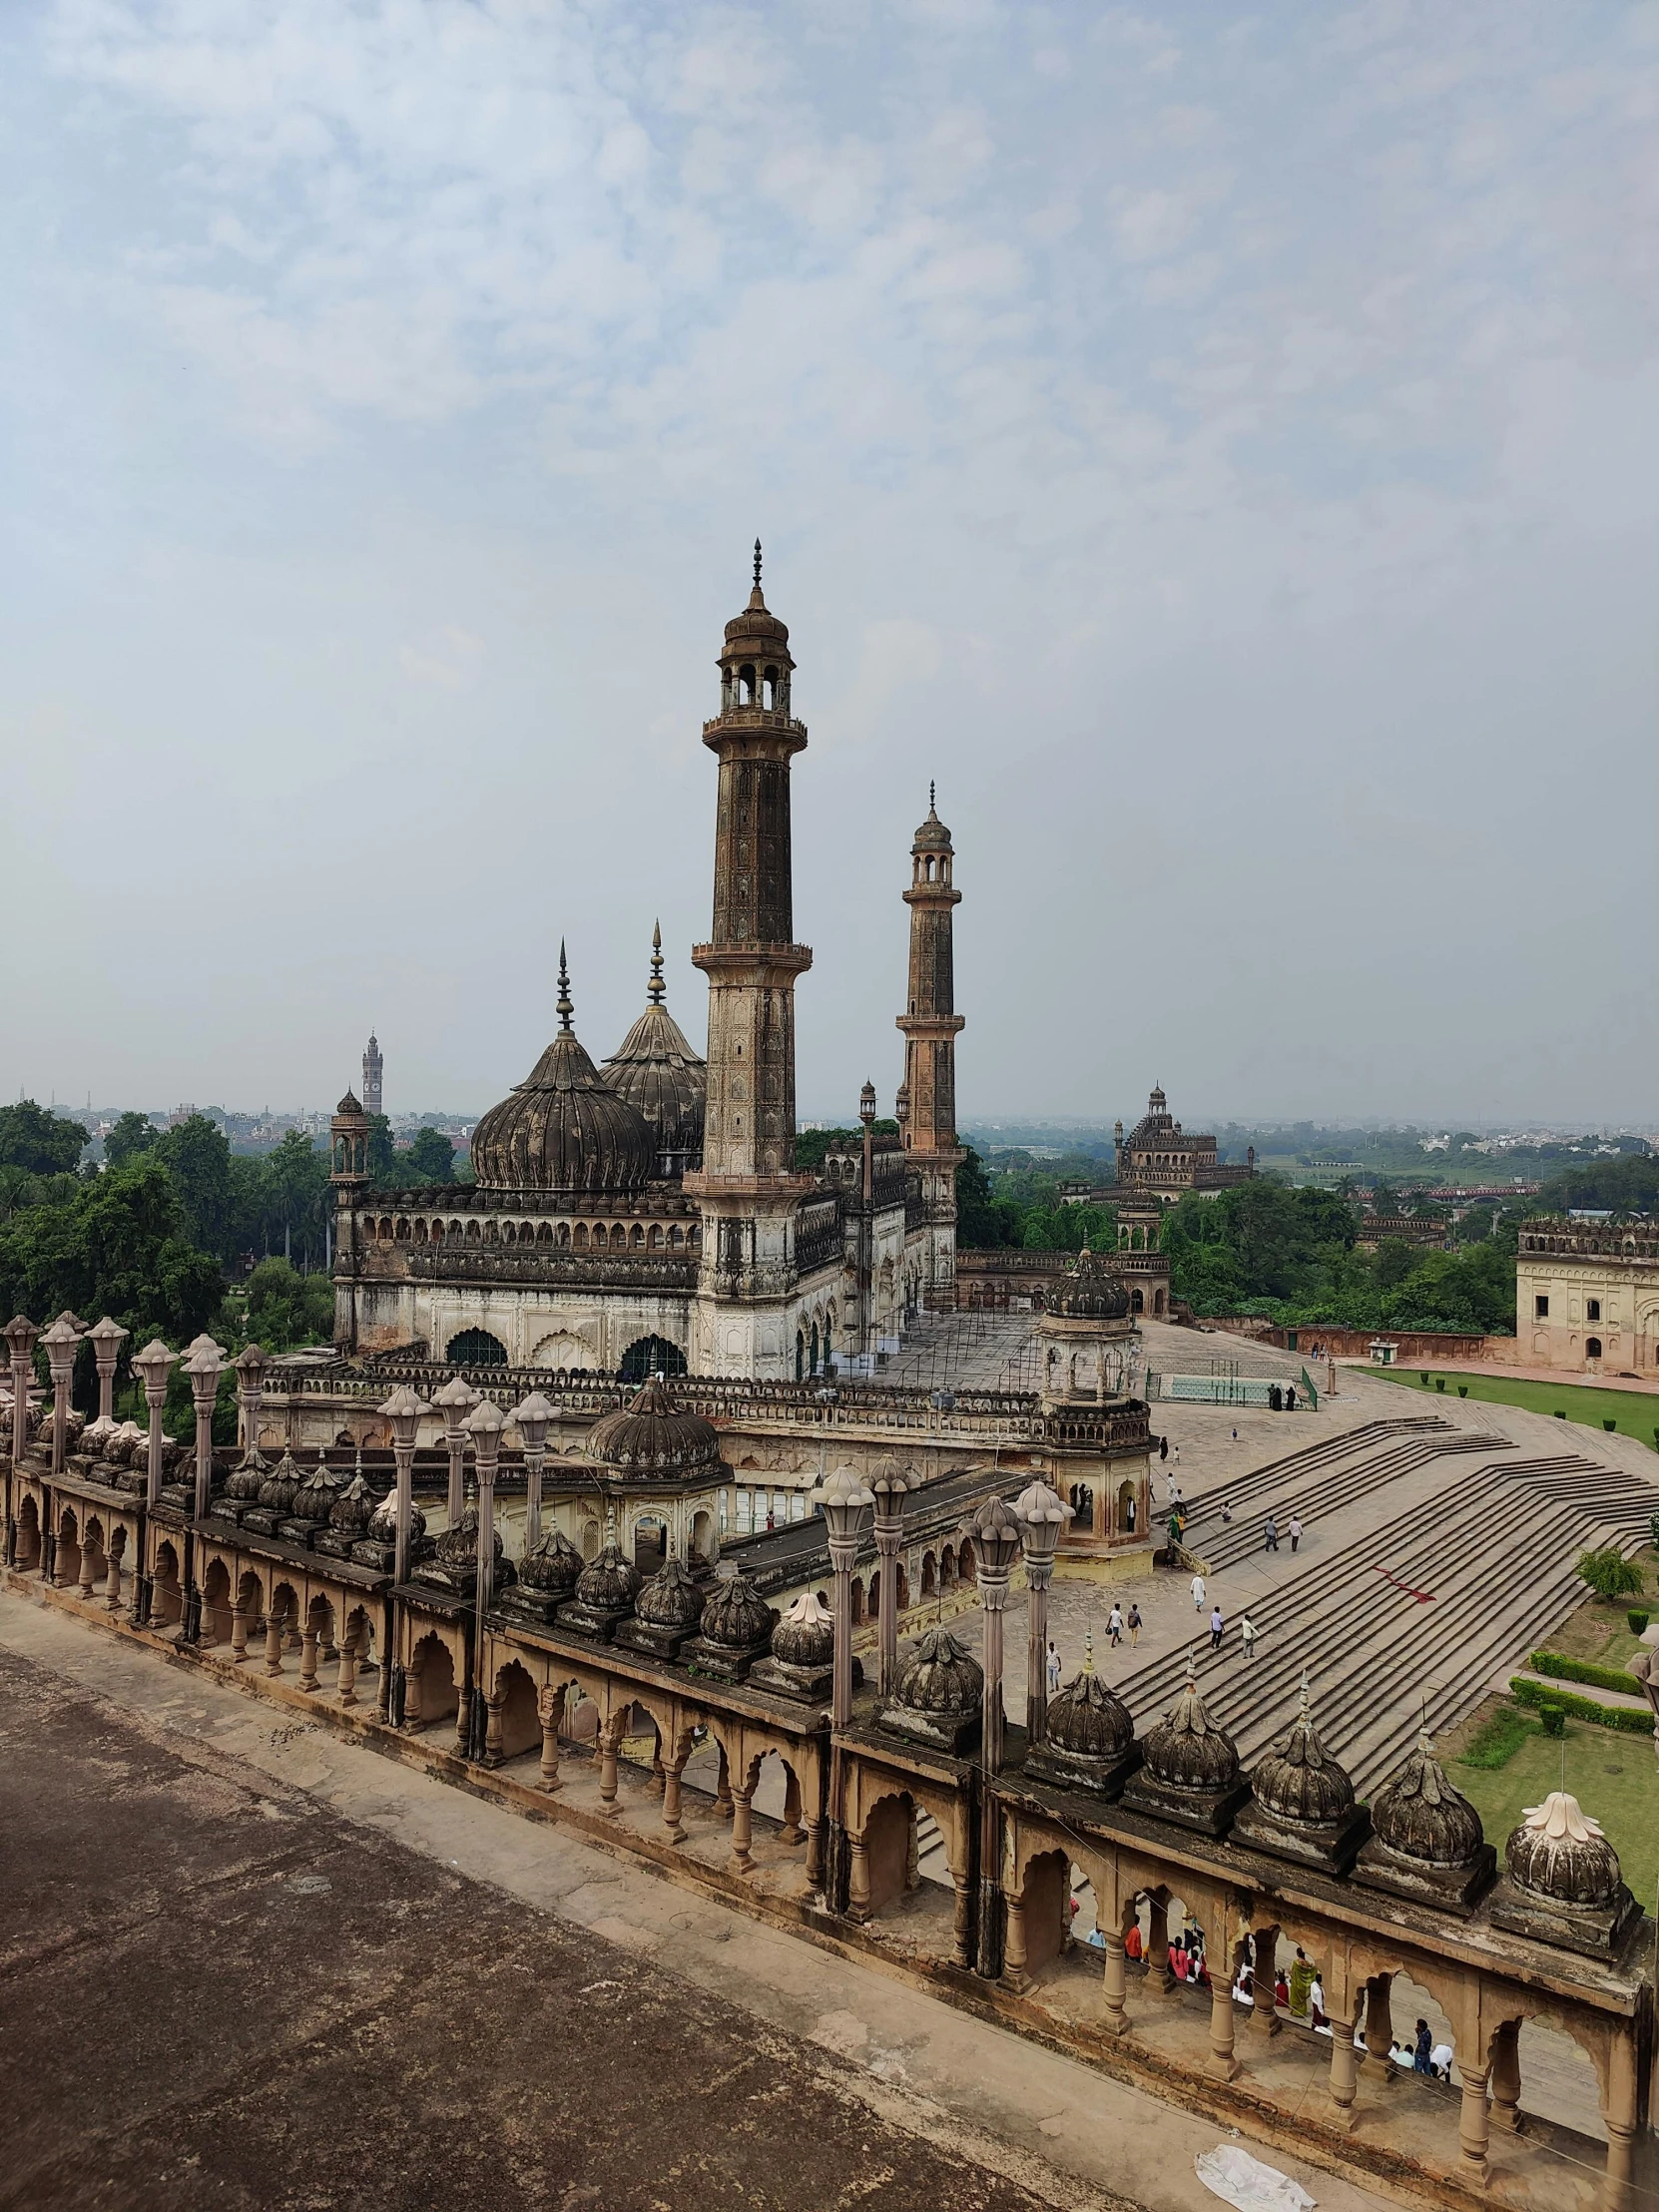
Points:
x=648 y=1215
x=1159 y=1160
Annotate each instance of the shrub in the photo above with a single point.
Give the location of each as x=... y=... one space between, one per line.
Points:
x=1440 y=1382
x=1462 y=1389
x=1553 y=1719
x=1609 y=1573
x=1638 y=1621
x=1653 y=1525
x=1610 y=1425
x=1562 y=1669
x=1426 y=1381
x=1625 y=1718
x=1498 y=1739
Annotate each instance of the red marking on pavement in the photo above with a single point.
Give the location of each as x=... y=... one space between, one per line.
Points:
x=1423 y=1597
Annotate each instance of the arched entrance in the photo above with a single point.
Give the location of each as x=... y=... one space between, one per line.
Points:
x=648 y=1356
x=476 y=1348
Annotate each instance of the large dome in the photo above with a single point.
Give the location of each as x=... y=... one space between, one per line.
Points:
x=655 y=1441
x=1091 y=1290
x=656 y=1071
x=563 y=1128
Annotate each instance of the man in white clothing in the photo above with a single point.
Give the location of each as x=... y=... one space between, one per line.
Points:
x=1198 y=1594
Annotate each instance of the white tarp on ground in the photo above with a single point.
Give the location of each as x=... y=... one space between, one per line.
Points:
x=1237 y=2179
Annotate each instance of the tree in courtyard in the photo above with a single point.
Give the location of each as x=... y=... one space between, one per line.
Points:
x=132 y=1134
x=197 y=1155
x=382 y=1154
x=287 y=1309
x=42 y=1143
x=1609 y=1573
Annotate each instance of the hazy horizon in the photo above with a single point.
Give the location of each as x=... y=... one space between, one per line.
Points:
x=1220 y=449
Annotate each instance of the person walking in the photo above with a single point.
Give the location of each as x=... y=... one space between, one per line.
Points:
x=1217 y=1629
x=1235 y=1431
x=1269 y=1534
x=1114 y=1625
x=1174 y=1453
x=1053 y=1668
x=1422 y=2049
x=1198 y=1594
x=1162 y=1447
x=1134 y=1625
x=1247 y=1636
x=1295 y=1527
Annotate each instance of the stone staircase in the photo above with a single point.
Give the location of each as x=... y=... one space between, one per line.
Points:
x=1414 y=1618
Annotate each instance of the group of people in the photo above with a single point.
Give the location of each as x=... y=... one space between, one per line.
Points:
x=1217 y=1620
x=1269 y=1533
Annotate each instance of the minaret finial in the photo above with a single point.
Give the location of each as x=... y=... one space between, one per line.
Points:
x=1088 y=1651
x=757 y=564
x=654 y=990
x=565 y=1008
x=932 y=803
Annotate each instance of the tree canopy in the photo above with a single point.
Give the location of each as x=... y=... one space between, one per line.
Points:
x=132 y=1134
x=120 y=1245
x=39 y=1142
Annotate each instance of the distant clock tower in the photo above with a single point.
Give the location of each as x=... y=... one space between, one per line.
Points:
x=374 y=1068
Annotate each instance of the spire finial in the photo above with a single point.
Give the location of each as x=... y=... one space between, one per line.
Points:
x=757 y=564
x=564 y=1008
x=1088 y=1651
x=1304 y=1710
x=933 y=807
x=655 y=990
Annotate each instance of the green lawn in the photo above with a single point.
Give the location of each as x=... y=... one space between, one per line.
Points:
x=1637 y=1412
x=1614 y=1777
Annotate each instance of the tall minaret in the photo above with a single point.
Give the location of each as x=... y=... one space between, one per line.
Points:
x=930 y=1026
x=747 y=1187
x=374 y=1068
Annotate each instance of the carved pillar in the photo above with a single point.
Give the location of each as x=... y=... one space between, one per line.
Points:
x=307 y=1657
x=1621 y=2112
x=112 y=1587
x=346 y=1681
x=1379 y=2027
x=273 y=1641
x=83 y=1580
x=888 y=1488
x=723 y=1785
x=1160 y=1974
x=1345 y=2069
x=913 y=1854
x=1221 y=2063
x=1013 y=1941
x=550 y=1711
x=610 y=1744
x=1472 y=2122
x=858 y=1881
x=962 y=1928
x=741 y=1828
x=1264 y=1965
x=816 y=1836
x=790 y=1832
x=673 y=1768
x=239 y=1633
x=494 y=1741
x=1114 y=1981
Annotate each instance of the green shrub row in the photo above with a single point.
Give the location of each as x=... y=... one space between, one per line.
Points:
x=1585 y=1670
x=1622 y=1717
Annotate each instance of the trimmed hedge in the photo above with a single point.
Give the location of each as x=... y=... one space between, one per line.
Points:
x=1621 y=1717
x=1562 y=1669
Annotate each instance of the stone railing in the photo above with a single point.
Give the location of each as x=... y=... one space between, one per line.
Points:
x=1599 y=1240
x=451 y=1263
x=818 y=1237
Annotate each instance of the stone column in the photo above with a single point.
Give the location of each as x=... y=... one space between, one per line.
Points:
x=550 y=1709
x=112 y=1587
x=888 y=1486
x=62 y=1342
x=846 y=1508
x=485 y=1423
x=532 y=1418
x=203 y=1367
x=673 y=1768
x=83 y=1580
x=239 y=1633
x=817 y=1831
x=1344 y=2069
x=858 y=1887
x=307 y=1655
x=1159 y=1974
x=20 y=1334
x=273 y=1641
x=1013 y=1942
x=1042 y=1515
x=495 y=1745
x=995 y=1536
x=1221 y=2063
x=105 y=1341
x=790 y=1832
x=1114 y=1981
x=1264 y=1968
x=1378 y=2027
x=345 y=1682
x=1620 y=2109
x=455 y=1401
x=610 y=1746
x=1472 y=2123
x=743 y=1829
x=962 y=1923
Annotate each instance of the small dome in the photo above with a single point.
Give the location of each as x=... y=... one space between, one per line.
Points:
x=932 y=836
x=608 y=1582
x=382 y=1522
x=276 y=1491
x=1558 y=1851
x=656 y=1071
x=655 y=1441
x=1187 y=1750
x=563 y=1128
x=1091 y=1290
x=350 y=1104
x=736 y=1615
x=671 y=1599
x=554 y=1567
x=1088 y=1718
x=1298 y=1781
x=940 y=1676
x=315 y=1499
x=245 y=1482
x=805 y=1636
x=458 y=1545
x=1422 y=1817
x=353 y=1509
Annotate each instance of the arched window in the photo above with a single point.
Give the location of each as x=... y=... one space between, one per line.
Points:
x=814 y=1349
x=648 y=1356
x=637 y=1238
x=476 y=1348
x=581 y=1236
x=1592 y=1348
x=800 y=1356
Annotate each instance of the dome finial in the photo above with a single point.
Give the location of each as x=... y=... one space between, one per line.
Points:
x=564 y=1008
x=655 y=990
x=757 y=564
x=1088 y=1651
x=1304 y=1710
x=932 y=804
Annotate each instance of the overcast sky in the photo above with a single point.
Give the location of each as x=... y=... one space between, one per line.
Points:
x=1219 y=446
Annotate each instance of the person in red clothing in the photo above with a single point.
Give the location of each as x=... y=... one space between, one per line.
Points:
x=1133 y=1947
x=1178 y=1962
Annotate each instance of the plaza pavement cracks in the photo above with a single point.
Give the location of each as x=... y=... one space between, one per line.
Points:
x=1052 y=2126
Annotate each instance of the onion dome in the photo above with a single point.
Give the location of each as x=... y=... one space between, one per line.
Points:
x=1296 y=1779
x=276 y=1491
x=656 y=1071
x=655 y=1441
x=458 y=1545
x=670 y=1600
x=758 y=629
x=1422 y=1817
x=353 y=1509
x=350 y=1104
x=608 y=1582
x=940 y=1676
x=1091 y=1290
x=382 y=1523
x=563 y=1128
x=247 y=1481
x=735 y=1616
x=1188 y=1750
x=932 y=836
x=805 y=1636
x=1559 y=1853
x=553 y=1568
x=1087 y=1719
x=315 y=1499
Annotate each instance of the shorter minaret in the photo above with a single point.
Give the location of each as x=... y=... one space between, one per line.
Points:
x=374 y=1069
x=930 y=1025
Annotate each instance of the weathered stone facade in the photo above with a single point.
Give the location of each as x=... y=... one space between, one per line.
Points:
x=1588 y=1296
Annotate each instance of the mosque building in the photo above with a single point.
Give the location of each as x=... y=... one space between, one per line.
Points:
x=647 y=1215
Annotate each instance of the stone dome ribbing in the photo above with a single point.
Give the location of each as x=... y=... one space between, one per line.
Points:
x=1088 y=1718
x=736 y=1615
x=608 y=1582
x=1187 y=1750
x=553 y=1567
x=1298 y=1781
x=805 y=1636
x=670 y=1600
x=1559 y=1853
x=656 y=1071
x=1091 y=1290
x=1422 y=1817
x=940 y=1677
x=654 y=1440
x=564 y=1128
